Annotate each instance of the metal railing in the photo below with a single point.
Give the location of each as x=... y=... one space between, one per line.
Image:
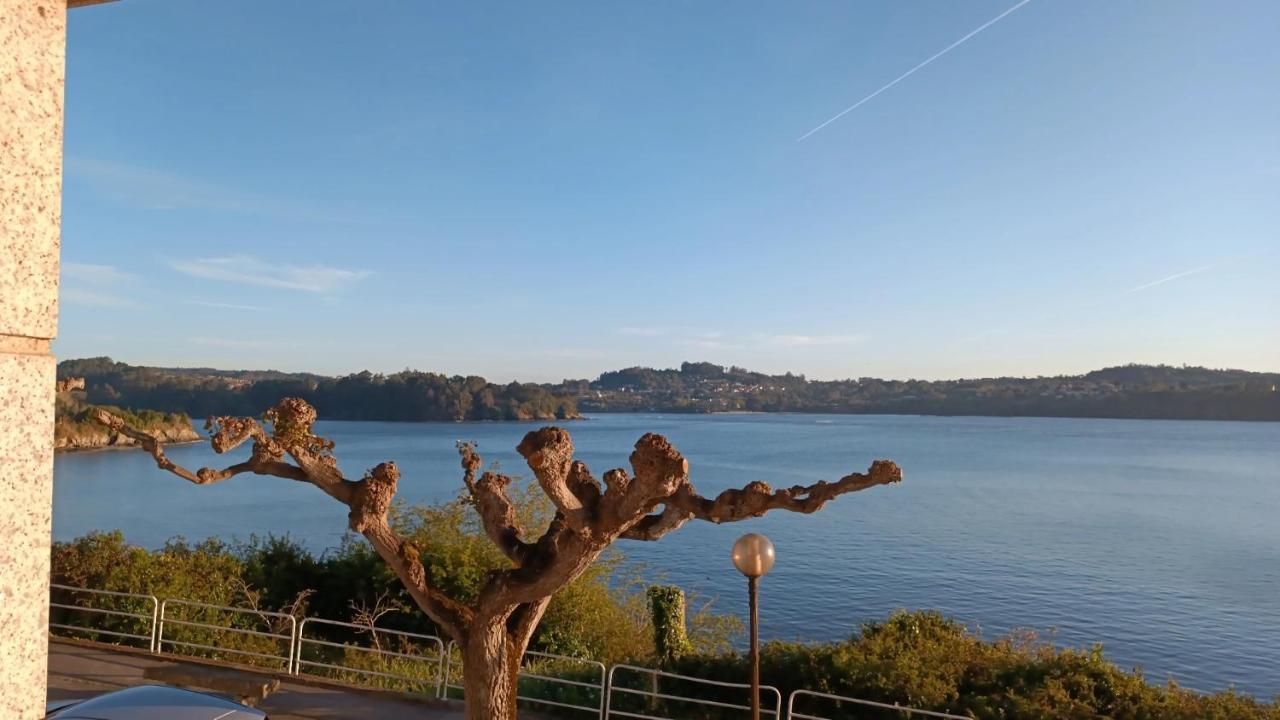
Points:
x=595 y=689
x=148 y=618
x=534 y=661
x=289 y=640
x=533 y=666
x=654 y=693
x=841 y=699
x=387 y=658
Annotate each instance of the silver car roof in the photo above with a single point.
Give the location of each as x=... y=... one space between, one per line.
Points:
x=158 y=702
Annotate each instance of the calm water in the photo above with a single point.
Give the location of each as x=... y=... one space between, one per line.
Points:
x=1159 y=539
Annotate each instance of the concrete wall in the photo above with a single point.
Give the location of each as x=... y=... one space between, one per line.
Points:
x=32 y=65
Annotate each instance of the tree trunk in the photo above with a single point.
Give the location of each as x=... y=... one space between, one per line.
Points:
x=490 y=664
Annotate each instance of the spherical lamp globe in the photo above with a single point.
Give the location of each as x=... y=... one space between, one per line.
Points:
x=753 y=555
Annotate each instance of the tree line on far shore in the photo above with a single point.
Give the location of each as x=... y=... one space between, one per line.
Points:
x=409 y=395
x=1129 y=391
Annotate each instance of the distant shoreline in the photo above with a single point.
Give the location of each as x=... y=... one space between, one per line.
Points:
x=120 y=446
x=660 y=411
x=1132 y=392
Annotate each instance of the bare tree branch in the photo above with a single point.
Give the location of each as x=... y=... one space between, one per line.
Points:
x=203 y=476
x=757 y=497
x=497 y=512
x=549 y=453
x=658 y=471
x=662 y=477
x=652 y=527
x=367 y=616
x=655 y=499
x=368 y=499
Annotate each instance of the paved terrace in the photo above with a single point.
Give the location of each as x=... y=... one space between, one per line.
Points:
x=82 y=669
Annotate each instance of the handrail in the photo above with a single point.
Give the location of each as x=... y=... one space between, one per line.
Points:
x=151 y=619
x=793 y=715
x=295 y=638
x=298 y=660
x=612 y=687
x=600 y=687
x=291 y=638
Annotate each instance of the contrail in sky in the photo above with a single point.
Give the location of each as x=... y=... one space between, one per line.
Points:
x=1171 y=278
x=912 y=71
x=1099 y=301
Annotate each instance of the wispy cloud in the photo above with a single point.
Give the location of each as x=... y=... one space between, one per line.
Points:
x=245 y=270
x=91 y=285
x=163 y=190
x=1171 y=278
x=913 y=70
x=644 y=331
x=239 y=344
x=94 y=298
x=796 y=341
x=718 y=340
x=221 y=305
x=572 y=353
x=94 y=274
x=709 y=343
x=158 y=189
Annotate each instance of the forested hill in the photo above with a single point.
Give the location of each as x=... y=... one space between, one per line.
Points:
x=1129 y=391
x=402 y=396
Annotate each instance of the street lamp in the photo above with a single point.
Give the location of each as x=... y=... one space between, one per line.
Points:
x=753 y=556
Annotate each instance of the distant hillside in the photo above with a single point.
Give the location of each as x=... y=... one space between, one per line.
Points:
x=402 y=396
x=1130 y=391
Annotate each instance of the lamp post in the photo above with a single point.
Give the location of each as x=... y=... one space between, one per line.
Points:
x=753 y=556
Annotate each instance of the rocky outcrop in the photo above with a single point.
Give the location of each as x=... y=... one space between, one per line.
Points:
x=83 y=437
x=75 y=429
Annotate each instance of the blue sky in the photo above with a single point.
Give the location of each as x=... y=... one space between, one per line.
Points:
x=549 y=190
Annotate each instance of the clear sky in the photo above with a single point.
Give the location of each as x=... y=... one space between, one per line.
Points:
x=547 y=190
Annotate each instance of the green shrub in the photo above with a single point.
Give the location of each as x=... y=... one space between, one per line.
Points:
x=919 y=659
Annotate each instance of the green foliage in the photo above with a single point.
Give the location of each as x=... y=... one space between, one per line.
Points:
x=207 y=572
x=404 y=396
x=918 y=659
x=924 y=660
x=74 y=428
x=666 y=610
x=1131 y=391
x=601 y=615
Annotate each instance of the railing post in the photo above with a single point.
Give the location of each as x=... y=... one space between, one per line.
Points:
x=297 y=653
x=448 y=668
x=442 y=669
x=293 y=645
x=160 y=628
x=608 y=694
x=604 y=681
x=155 y=621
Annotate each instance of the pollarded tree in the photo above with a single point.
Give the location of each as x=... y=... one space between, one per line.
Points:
x=493 y=632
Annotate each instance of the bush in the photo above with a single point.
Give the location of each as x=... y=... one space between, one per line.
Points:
x=601 y=616
x=918 y=659
x=923 y=660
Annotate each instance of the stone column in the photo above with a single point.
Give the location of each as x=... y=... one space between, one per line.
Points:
x=32 y=66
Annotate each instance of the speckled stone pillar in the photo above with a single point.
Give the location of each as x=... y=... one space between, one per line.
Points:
x=32 y=62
